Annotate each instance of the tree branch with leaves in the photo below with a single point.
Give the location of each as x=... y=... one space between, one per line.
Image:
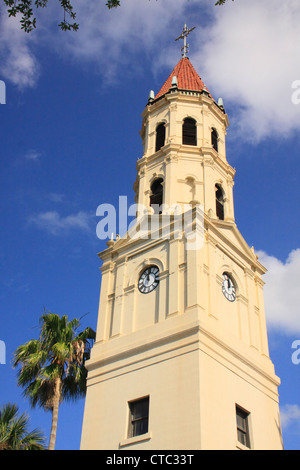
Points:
x=221 y=2
x=28 y=20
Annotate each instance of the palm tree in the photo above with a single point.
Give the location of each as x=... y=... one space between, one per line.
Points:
x=52 y=367
x=14 y=434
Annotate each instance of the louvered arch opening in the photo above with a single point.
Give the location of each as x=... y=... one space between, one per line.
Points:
x=214 y=139
x=219 y=202
x=189 y=132
x=156 y=197
x=160 y=136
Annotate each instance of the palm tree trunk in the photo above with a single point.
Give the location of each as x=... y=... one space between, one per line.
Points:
x=56 y=400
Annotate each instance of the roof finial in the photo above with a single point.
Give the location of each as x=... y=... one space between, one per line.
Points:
x=183 y=36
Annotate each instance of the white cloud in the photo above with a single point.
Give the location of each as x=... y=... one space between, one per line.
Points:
x=246 y=51
x=290 y=415
x=250 y=56
x=281 y=292
x=32 y=155
x=55 y=224
x=114 y=39
x=109 y=40
x=56 y=197
x=18 y=63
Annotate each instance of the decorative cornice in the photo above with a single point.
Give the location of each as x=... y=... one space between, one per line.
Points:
x=212 y=153
x=218 y=236
x=193 y=336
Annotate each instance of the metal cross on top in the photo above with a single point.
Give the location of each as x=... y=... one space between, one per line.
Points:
x=183 y=36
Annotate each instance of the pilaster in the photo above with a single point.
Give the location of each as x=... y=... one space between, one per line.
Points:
x=103 y=324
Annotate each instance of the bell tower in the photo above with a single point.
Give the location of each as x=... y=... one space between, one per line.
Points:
x=183 y=133
x=181 y=358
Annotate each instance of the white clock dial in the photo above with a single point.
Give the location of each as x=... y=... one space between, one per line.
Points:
x=228 y=288
x=149 y=279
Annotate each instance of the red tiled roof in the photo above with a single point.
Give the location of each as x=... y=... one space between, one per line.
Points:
x=187 y=78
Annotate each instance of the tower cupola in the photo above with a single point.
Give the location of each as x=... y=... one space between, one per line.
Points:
x=183 y=134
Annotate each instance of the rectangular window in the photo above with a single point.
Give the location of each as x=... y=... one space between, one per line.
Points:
x=138 y=417
x=242 y=422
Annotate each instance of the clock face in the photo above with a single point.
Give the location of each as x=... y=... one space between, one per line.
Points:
x=149 y=279
x=228 y=288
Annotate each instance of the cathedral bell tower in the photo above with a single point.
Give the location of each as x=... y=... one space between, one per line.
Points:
x=181 y=357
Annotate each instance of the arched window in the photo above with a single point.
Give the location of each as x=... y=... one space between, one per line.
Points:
x=160 y=136
x=189 y=132
x=214 y=139
x=219 y=202
x=156 y=197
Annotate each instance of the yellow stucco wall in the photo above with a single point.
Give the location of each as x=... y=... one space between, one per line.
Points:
x=194 y=353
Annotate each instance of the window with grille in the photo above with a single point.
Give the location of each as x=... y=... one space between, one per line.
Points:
x=138 y=417
x=189 y=132
x=160 y=137
x=242 y=422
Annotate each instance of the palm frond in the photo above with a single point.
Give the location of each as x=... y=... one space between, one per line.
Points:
x=34 y=440
x=52 y=367
x=24 y=351
x=14 y=434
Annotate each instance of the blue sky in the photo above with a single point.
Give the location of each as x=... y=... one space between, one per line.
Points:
x=70 y=140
